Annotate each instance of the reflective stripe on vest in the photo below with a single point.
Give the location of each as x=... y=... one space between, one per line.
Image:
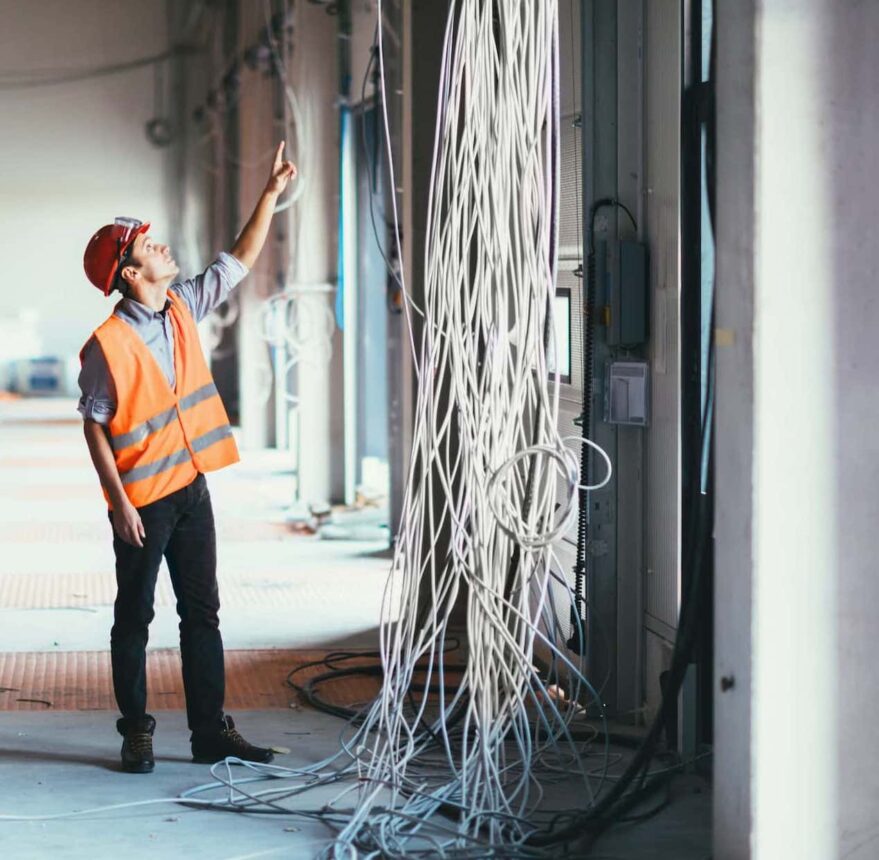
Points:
x=200 y=444
x=123 y=440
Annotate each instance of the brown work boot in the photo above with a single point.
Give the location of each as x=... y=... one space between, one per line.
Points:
x=214 y=744
x=137 y=744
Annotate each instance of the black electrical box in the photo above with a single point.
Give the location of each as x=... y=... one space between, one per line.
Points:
x=628 y=292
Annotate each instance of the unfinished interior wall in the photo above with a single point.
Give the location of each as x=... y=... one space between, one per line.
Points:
x=600 y=55
x=734 y=531
x=243 y=113
x=314 y=75
x=797 y=594
x=662 y=148
x=75 y=154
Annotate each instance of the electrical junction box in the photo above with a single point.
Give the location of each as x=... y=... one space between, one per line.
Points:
x=627 y=393
x=628 y=295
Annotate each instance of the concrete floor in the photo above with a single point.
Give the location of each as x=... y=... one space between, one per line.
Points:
x=278 y=591
x=62 y=762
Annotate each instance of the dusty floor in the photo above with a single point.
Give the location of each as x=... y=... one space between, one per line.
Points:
x=280 y=594
x=277 y=589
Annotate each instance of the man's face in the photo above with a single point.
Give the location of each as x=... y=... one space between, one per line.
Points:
x=155 y=262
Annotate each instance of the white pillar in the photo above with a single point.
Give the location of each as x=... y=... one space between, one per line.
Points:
x=314 y=247
x=797 y=457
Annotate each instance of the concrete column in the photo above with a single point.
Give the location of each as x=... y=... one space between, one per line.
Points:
x=797 y=594
x=259 y=130
x=314 y=75
x=734 y=417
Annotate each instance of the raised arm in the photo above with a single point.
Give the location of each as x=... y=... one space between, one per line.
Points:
x=253 y=236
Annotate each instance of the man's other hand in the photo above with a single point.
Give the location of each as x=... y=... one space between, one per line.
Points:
x=128 y=525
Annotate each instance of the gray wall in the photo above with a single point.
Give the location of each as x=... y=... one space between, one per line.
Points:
x=734 y=407
x=797 y=591
x=662 y=147
x=314 y=247
x=74 y=155
x=611 y=130
x=847 y=123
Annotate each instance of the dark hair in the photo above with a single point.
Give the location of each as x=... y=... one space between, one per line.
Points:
x=127 y=259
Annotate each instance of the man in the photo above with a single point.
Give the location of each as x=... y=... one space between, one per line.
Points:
x=154 y=424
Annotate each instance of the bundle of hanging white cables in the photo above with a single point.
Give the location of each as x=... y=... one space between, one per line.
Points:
x=488 y=466
x=491 y=485
x=454 y=756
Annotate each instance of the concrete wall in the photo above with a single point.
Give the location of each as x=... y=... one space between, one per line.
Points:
x=75 y=154
x=846 y=123
x=797 y=452
x=734 y=311
x=226 y=166
x=610 y=165
x=662 y=148
x=260 y=127
x=315 y=77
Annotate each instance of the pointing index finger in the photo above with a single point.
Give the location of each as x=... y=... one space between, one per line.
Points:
x=279 y=152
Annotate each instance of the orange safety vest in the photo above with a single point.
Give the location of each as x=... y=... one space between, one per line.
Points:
x=162 y=438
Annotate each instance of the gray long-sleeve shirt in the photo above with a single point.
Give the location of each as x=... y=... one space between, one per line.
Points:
x=201 y=295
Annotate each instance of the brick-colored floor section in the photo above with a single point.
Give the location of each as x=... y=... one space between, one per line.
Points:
x=76 y=681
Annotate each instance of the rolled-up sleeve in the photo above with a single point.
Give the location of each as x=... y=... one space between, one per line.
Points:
x=212 y=287
x=98 y=400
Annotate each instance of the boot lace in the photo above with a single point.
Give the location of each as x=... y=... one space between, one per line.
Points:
x=140 y=743
x=234 y=737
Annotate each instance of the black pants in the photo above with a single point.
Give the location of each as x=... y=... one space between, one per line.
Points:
x=179 y=527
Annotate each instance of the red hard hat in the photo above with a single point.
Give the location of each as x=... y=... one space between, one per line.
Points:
x=106 y=248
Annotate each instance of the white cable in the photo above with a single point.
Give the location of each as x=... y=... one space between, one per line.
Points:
x=75 y=813
x=302 y=331
x=595 y=447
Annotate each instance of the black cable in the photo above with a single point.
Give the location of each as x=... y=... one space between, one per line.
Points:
x=577 y=642
x=597 y=818
x=637 y=798
x=332 y=660
x=616 y=802
x=584 y=421
x=372 y=169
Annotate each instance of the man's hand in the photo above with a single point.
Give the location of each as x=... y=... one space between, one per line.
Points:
x=128 y=525
x=282 y=172
x=249 y=244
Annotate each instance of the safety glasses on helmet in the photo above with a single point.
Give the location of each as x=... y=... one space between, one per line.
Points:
x=130 y=226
